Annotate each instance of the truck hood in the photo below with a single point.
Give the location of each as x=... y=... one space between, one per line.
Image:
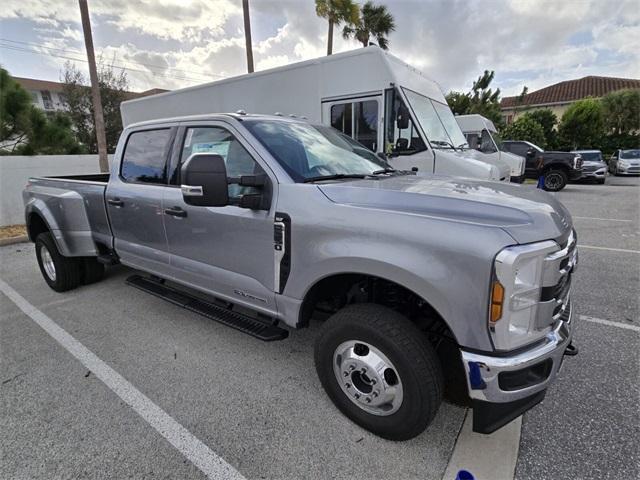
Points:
x=525 y=213
x=503 y=167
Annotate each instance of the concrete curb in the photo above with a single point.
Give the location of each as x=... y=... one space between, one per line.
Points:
x=13 y=240
x=487 y=457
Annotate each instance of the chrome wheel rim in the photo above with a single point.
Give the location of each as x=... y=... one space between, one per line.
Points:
x=367 y=377
x=47 y=263
x=553 y=181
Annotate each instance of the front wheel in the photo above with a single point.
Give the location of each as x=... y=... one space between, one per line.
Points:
x=61 y=273
x=379 y=370
x=555 y=180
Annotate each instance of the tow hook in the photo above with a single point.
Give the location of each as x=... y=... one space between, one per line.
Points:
x=571 y=350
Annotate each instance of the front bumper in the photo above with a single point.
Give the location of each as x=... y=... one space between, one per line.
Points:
x=575 y=174
x=597 y=174
x=503 y=387
x=628 y=170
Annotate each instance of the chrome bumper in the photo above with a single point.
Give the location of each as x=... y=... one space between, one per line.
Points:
x=483 y=371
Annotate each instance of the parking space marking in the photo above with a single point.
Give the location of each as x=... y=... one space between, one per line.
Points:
x=603 y=219
x=207 y=461
x=602 y=321
x=487 y=457
x=623 y=250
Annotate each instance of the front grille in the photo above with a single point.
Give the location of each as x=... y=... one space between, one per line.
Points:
x=589 y=168
x=633 y=170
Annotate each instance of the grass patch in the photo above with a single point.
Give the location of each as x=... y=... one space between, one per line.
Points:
x=12 y=231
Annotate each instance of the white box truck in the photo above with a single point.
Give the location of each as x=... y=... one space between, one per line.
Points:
x=482 y=136
x=372 y=96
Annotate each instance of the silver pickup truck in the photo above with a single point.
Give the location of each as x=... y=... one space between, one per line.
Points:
x=425 y=286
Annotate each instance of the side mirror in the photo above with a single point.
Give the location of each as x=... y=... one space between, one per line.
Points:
x=204 y=181
x=402 y=120
x=530 y=152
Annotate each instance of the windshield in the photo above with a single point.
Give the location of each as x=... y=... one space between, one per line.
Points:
x=344 y=141
x=437 y=120
x=306 y=153
x=591 y=156
x=630 y=154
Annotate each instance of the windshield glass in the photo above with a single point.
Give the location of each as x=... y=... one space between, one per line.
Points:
x=437 y=120
x=630 y=154
x=306 y=153
x=591 y=156
x=344 y=141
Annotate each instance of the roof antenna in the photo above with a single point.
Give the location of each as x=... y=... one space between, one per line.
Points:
x=278 y=114
x=241 y=112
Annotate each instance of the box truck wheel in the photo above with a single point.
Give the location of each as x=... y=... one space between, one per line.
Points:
x=60 y=273
x=379 y=370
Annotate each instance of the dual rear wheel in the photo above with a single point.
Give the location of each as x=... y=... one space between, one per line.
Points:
x=65 y=273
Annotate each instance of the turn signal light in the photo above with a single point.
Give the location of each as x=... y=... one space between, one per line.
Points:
x=497 y=298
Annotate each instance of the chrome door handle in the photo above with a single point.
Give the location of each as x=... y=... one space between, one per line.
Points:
x=116 y=202
x=175 y=212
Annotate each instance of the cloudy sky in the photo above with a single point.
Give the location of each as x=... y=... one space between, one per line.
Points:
x=177 y=43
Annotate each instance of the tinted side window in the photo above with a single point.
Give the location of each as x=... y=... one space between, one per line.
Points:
x=366 y=123
x=221 y=142
x=341 y=117
x=145 y=157
x=518 y=148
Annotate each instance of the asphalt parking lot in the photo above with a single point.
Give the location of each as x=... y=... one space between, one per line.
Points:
x=260 y=407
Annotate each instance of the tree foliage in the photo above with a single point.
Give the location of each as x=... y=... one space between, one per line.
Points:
x=337 y=12
x=621 y=111
x=26 y=130
x=481 y=99
x=113 y=91
x=373 y=21
x=582 y=124
x=525 y=128
x=548 y=121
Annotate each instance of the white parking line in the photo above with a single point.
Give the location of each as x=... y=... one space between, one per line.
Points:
x=623 y=250
x=486 y=457
x=603 y=219
x=602 y=321
x=212 y=465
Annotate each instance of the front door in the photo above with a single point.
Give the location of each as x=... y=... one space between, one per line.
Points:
x=134 y=200
x=360 y=118
x=225 y=251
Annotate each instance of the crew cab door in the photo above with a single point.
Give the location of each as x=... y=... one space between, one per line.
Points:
x=227 y=251
x=134 y=198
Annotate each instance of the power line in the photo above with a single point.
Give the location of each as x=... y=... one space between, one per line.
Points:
x=39 y=45
x=19 y=49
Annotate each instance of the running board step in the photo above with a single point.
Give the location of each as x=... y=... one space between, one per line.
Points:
x=244 y=323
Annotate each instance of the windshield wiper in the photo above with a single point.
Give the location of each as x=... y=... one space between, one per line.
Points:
x=442 y=143
x=335 y=176
x=384 y=170
x=461 y=146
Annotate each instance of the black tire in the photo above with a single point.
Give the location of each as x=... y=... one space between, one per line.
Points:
x=92 y=270
x=68 y=272
x=417 y=365
x=555 y=180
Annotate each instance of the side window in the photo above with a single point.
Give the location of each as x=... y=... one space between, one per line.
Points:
x=473 y=139
x=221 y=142
x=486 y=143
x=401 y=135
x=366 y=123
x=518 y=149
x=341 y=117
x=145 y=157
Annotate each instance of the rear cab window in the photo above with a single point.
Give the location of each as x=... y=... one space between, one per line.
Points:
x=145 y=157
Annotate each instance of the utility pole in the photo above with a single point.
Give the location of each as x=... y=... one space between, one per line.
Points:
x=95 y=88
x=247 y=35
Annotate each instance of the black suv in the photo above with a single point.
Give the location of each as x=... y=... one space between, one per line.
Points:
x=559 y=167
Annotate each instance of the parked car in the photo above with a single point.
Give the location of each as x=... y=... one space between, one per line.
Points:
x=559 y=167
x=625 y=162
x=593 y=165
x=482 y=135
x=377 y=99
x=262 y=223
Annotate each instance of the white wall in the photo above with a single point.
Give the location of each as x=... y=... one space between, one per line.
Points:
x=16 y=170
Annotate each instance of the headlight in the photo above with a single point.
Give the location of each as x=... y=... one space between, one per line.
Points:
x=515 y=294
x=623 y=163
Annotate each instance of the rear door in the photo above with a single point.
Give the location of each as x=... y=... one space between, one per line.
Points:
x=134 y=199
x=360 y=118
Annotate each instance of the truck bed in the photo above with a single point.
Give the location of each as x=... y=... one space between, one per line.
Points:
x=75 y=209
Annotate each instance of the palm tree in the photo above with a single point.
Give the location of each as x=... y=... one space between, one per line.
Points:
x=374 y=21
x=247 y=35
x=336 y=11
